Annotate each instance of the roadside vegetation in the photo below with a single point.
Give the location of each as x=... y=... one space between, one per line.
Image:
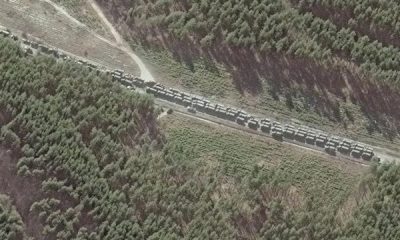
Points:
x=314 y=175
x=287 y=57
x=100 y=166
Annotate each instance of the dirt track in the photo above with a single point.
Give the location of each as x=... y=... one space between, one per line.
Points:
x=41 y=20
x=144 y=72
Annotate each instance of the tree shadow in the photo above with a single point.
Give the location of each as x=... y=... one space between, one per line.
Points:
x=324 y=84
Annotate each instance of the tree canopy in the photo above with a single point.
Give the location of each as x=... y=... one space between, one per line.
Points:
x=107 y=171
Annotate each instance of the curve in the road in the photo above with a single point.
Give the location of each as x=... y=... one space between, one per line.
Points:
x=144 y=72
x=120 y=42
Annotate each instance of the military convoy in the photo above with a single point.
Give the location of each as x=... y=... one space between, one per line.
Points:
x=330 y=144
x=194 y=104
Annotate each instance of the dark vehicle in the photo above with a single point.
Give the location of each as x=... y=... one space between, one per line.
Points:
x=300 y=136
x=253 y=124
x=331 y=150
x=241 y=121
x=310 y=139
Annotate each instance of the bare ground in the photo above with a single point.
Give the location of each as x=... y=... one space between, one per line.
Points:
x=84 y=13
x=144 y=72
x=40 y=19
x=22 y=191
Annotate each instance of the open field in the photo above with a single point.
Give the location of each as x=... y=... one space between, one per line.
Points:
x=83 y=12
x=39 y=19
x=236 y=153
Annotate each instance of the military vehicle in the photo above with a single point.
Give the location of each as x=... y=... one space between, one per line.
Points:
x=241 y=120
x=321 y=140
x=289 y=132
x=253 y=124
x=330 y=149
x=300 y=135
x=356 y=153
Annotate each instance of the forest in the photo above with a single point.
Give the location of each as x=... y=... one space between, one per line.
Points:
x=98 y=166
x=267 y=25
x=330 y=51
x=10 y=221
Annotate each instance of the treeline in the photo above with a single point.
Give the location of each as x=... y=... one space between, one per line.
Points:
x=267 y=25
x=107 y=172
x=382 y=14
x=11 y=226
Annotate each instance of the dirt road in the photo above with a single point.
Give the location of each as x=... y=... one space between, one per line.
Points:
x=144 y=72
x=43 y=22
x=119 y=40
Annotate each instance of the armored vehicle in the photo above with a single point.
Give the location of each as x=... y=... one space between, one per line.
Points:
x=253 y=124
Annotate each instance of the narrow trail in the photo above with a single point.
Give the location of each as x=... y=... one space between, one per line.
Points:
x=104 y=19
x=119 y=40
x=61 y=10
x=144 y=72
x=66 y=14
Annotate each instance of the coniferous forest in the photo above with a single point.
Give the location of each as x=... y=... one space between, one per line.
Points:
x=334 y=50
x=93 y=163
x=266 y=25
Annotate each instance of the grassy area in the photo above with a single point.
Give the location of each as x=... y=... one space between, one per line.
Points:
x=327 y=180
x=82 y=11
x=201 y=76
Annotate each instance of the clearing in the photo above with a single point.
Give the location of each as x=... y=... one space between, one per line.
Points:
x=84 y=13
x=22 y=191
x=41 y=20
x=327 y=179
